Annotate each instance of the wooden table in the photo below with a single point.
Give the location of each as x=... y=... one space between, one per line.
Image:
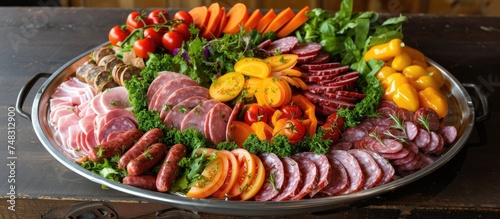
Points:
x=42 y=39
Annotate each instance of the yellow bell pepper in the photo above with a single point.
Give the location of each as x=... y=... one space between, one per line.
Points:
x=384 y=72
x=413 y=72
x=419 y=63
x=424 y=82
x=436 y=74
x=385 y=51
x=262 y=130
x=406 y=97
x=401 y=61
x=391 y=85
x=308 y=110
x=414 y=53
x=434 y=99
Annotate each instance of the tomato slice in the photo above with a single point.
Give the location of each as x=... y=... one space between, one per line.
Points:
x=214 y=175
x=253 y=67
x=232 y=176
x=227 y=86
x=281 y=62
x=257 y=183
x=247 y=171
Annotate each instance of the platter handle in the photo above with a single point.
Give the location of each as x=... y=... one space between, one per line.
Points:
x=23 y=93
x=481 y=95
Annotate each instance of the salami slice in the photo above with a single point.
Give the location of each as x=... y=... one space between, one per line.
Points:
x=354 y=171
x=292 y=179
x=309 y=177
x=324 y=169
x=353 y=134
x=180 y=95
x=319 y=66
x=385 y=166
x=411 y=130
x=322 y=57
x=216 y=123
x=423 y=138
x=318 y=99
x=449 y=134
x=435 y=144
x=174 y=117
x=429 y=116
x=162 y=78
x=236 y=110
x=275 y=171
x=371 y=170
x=281 y=46
x=161 y=95
x=334 y=71
x=195 y=119
x=305 y=49
x=340 y=181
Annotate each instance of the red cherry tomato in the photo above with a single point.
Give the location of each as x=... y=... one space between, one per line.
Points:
x=256 y=113
x=291 y=111
x=158 y=16
x=172 y=40
x=143 y=46
x=135 y=20
x=183 y=29
x=185 y=16
x=156 y=36
x=333 y=126
x=117 y=34
x=294 y=130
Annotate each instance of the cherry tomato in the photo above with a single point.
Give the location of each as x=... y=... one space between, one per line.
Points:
x=143 y=46
x=154 y=34
x=256 y=113
x=294 y=130
x=183 y=29
x=171 y=40
x=334 y=125
x=135 y=20
x=158 y=16
x=117 y=34
x=185 y=16
x=291 y=111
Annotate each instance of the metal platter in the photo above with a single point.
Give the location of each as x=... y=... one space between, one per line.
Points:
x=461 y=115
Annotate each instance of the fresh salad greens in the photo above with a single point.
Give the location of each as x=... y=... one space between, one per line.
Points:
x=346 y=36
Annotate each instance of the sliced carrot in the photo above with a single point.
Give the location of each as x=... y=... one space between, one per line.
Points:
x=266 y=20
x=299 y=19
x=223 y=21
x=213 y=21
x=280 y=20
x=200 y=16
x=253 y=20
x=236 y=16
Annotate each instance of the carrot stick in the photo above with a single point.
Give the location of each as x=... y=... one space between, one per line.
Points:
x=236 y=16
x=253 y=20
x=200 y=16
x=223 y=22
x=268 y=17
x=299 y=19
x=213 y=21
x=280 y=20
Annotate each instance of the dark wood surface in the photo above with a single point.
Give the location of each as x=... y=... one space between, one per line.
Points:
x=37 y=40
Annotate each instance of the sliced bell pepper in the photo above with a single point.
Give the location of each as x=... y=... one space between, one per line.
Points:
x=308 y=110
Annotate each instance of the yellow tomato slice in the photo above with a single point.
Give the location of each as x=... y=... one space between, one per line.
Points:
x=247 y=171
x=232 y=176
x=257 y=183
x=214 y=175
x=291 y=72
x=253 y=67
x=251 y=86
x=227 y=86
x=281 y=62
